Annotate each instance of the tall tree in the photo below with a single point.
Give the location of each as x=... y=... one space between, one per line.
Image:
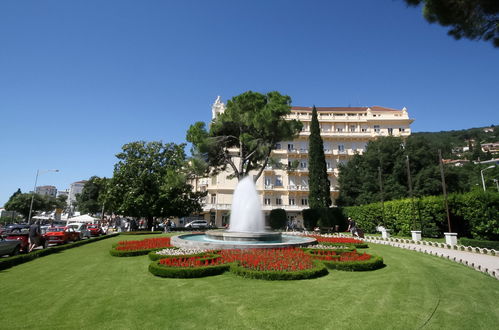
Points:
x=149 y=181
x=20 y=203
x=89 y=200
x=318 y=180
x=243 y=137
x=471 y=19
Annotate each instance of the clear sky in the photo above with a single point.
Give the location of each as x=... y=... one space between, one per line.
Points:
x=78 y=79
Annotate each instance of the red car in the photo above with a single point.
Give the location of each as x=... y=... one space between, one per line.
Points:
x=61 y=235
x=95 y=230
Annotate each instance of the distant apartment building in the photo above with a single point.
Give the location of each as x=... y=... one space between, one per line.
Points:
x=46 y=190
x=345 y=131
x=63 y=193
x=74 y=189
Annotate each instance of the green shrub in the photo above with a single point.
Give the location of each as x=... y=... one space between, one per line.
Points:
x=140 y=232
x=325 y=218
x=318 y=270
x=186 y=272
x=475 y=213
x=363 y=265
x=278 y=219
x=19 y=259
x=154 y=256
x=479 y=243
x=134 y=253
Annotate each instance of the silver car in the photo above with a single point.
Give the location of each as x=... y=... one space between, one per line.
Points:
x=9 y=247
x=197 y=224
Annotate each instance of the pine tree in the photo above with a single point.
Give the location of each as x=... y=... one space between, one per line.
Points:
x=319 y=196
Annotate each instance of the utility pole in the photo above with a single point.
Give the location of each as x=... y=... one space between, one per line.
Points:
x=444 y=188
x=382 y=196
x=411 y=195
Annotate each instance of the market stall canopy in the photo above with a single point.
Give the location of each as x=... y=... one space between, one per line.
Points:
x=83 y=218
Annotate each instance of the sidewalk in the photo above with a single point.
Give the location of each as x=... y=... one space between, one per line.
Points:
x=483 y=263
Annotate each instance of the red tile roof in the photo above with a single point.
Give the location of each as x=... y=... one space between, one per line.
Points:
x=352 y=109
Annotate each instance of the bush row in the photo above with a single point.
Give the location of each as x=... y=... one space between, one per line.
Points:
x=374 y=263
x=154 y=256
x=318 y=270
x=19 y=259
x=140 y=232
x=474 y=214
x=121 y=253
x=186 y=272
x=479 y=243
x=353 y=245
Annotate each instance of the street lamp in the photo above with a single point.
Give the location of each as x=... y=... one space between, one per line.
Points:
x=481 y=172
x=497 y=184
x=38 y=172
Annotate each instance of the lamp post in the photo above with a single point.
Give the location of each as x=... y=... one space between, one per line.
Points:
x=481 y=173
x=38 y=172
x=497 y=184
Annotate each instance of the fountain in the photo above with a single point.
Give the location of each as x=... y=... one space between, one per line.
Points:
x=247 y=227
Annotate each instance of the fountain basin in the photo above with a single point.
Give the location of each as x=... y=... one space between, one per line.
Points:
x=202 y=241
x=223 y=235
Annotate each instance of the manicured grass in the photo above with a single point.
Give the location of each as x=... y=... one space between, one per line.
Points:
x=87 y=288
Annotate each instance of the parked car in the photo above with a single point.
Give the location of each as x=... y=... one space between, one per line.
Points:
x=23 y=237
x=197 y=224
x=16 y=228
x=61 y=235
x=95 y=230
x=81 y=228
x=9 y=247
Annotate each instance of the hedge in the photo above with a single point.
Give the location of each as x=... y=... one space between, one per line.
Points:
x=140 y=232
x=356 y=245
x=318 y=270
x=324 y=217
x=122 y=253
x=186 y=272
x=474 y=214
x=479 y=243
x=20 y=259
x=363 y=265
x=154 y=256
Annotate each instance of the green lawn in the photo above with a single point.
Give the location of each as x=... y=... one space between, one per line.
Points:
x=87 y=288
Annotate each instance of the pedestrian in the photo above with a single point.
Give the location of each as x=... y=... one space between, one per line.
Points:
x=35 y=235
x=352 y=227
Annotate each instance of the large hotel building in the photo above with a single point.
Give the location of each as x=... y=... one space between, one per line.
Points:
x=345 y=131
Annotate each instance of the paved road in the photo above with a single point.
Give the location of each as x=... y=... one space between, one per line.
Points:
x=481 y=262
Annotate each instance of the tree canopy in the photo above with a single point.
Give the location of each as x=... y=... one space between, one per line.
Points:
x=359 y=182
x=244 y=135
x=150 y=181
x=471 y=19
x=91 y=198
x=20 y=202
x=320 y=195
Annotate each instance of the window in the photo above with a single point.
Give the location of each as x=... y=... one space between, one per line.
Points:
x=278 y=180
x=390 y=131
x=213 y=198
x=277 y=146
x=303 y=164
x=339 y=129
x=328 y=165
x=291 y=201
x=376 y=129
x=266 y=201
x=268 y=182
x=352 y=128
x=291 y=147
x=278 y=201
x=363 y=130
x=401 y=129
x=214 y=180
x=304 y=201
x=341 y=148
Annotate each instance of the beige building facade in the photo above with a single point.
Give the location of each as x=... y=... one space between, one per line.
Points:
x=345 y=131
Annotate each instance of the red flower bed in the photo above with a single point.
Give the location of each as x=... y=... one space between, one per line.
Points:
x=354 y=256
x=197 y=261
x=337 y=240
x=324 y=254
x=146 y=244
x=288 y=259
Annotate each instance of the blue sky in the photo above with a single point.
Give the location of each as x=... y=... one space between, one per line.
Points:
x=78 y=79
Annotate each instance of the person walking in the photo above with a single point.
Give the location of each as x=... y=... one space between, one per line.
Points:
x=352 y=227
x=35 y=235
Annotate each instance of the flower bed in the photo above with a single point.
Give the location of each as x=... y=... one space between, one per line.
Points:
x=136 y=248
x=354 y=261
x=189 y=266
x=340 y=241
